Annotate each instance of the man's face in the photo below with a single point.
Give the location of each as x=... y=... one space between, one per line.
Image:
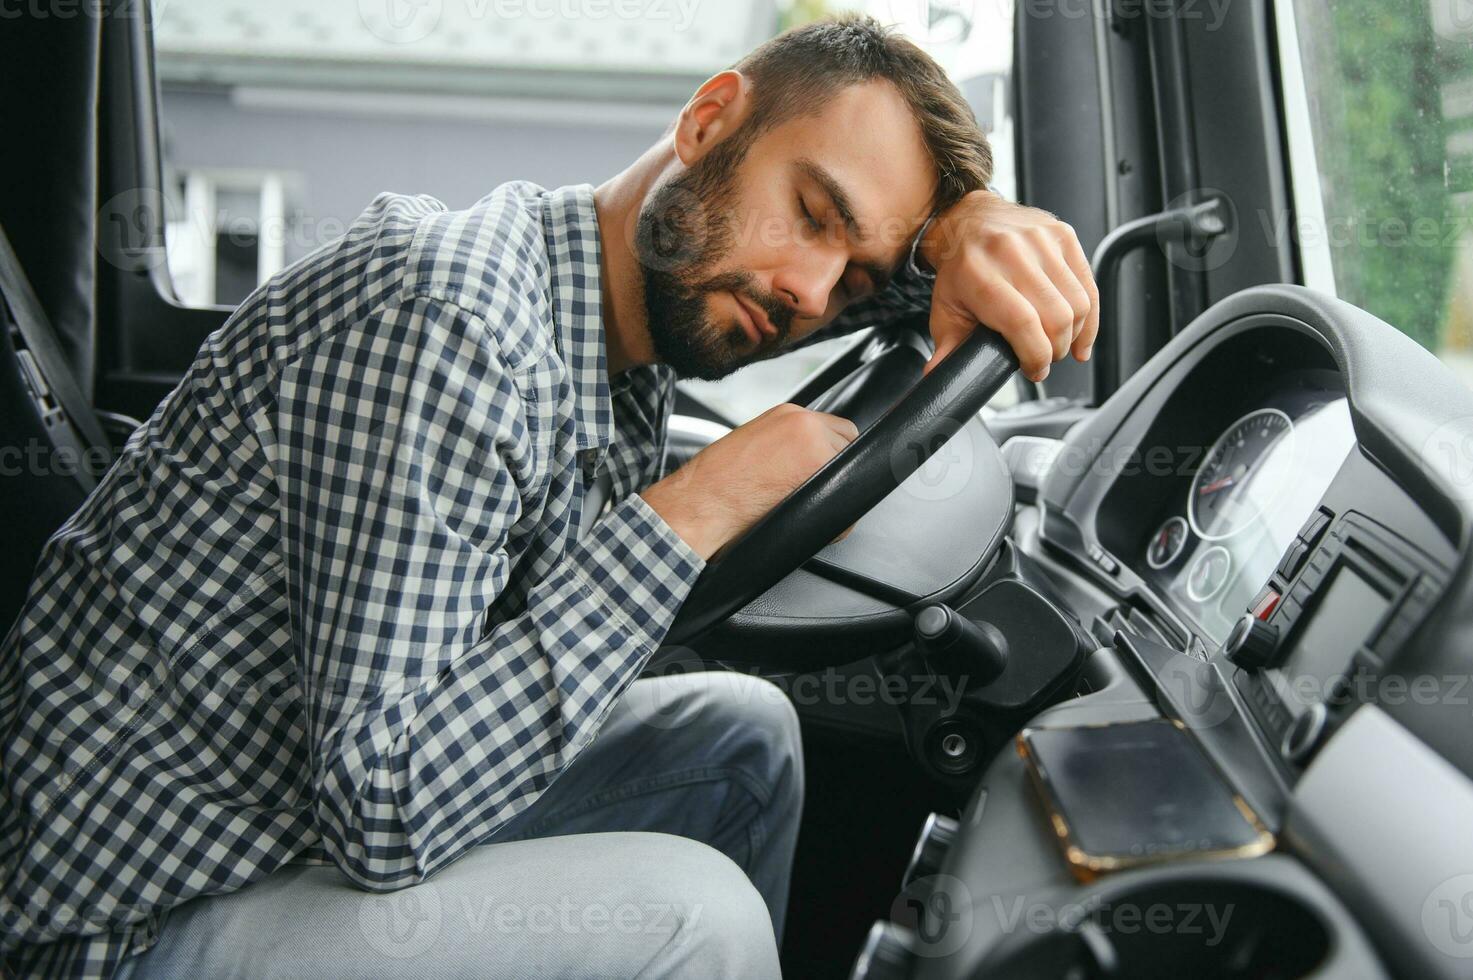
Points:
x=762 y=241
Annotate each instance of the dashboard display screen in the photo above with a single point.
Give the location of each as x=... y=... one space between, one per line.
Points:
x=1342 y=620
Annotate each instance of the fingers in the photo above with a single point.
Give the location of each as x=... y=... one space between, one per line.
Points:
x=1021 y=271
x=846 y=430
x=1011 y=314
x=834 y=423
x=1072 y=291
x=1028 y=288
x=1055 y=309
x=1084 y=338
x=838 y=444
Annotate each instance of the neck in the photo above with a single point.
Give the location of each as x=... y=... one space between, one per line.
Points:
x=617 y=202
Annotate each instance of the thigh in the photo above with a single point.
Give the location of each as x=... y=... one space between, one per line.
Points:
x=602 y=905
x=700 y=755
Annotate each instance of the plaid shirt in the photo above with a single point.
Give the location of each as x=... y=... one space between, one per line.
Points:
x=332 y=603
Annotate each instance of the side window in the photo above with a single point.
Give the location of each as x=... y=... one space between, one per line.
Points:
x=1379 y=105
x=225 y=232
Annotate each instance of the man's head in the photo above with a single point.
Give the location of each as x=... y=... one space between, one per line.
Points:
x=802 y=176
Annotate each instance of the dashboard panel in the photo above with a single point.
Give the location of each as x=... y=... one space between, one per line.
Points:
x=1236 y=514
x=1255 y=486
x=1329 y=446
x=1204 y=487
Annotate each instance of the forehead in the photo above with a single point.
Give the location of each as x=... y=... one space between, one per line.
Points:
x=868 y=139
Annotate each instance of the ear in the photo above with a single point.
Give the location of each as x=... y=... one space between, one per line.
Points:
x=716 y=111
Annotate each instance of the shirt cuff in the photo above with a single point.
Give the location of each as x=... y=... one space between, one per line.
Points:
x=635 y=565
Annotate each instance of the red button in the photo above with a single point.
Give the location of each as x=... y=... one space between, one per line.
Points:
x=1267 y=603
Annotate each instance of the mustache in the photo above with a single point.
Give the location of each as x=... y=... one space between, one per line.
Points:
x=779 y=314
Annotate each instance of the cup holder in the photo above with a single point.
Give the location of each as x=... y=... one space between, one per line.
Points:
x=1211 y=930
x=1203 y=927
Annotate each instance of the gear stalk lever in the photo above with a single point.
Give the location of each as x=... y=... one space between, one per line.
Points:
x=956 y=644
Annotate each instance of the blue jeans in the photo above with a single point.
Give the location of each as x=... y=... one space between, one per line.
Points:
x=664 y=850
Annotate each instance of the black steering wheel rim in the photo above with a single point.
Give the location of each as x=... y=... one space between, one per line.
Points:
x=849 y=485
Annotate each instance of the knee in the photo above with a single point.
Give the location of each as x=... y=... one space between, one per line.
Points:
x=722 y=925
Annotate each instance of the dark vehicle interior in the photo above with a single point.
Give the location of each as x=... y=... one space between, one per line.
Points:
x=1241 y=534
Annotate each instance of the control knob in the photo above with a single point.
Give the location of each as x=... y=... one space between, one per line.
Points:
x=1252 y=643
x=936 y=839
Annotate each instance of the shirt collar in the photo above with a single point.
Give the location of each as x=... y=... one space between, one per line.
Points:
x=570 y=224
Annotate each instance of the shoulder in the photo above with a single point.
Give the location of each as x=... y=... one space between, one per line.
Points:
x=490 y=260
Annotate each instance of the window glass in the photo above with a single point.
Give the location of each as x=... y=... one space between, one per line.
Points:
x=281 y=119
x=1380 y=123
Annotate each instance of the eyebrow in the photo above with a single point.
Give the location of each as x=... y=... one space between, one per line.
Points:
x=879 y=275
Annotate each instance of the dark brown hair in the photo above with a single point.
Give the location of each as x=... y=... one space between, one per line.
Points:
x=796 y=72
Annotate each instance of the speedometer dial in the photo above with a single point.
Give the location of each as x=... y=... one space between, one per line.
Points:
x=1241 y=474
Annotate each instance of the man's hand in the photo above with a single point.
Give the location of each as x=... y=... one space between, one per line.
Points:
x=733 y=482
x=1020 y=271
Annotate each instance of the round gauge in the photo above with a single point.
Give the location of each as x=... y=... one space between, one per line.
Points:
x=1209 y=573
x=1241 y=474
x=1167 y=543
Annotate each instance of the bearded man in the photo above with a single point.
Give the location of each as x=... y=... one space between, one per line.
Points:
x=330 y=675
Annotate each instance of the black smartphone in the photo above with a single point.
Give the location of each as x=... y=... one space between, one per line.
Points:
x=1122 y=795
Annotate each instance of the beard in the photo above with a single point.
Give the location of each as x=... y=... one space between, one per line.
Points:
x=685 y=229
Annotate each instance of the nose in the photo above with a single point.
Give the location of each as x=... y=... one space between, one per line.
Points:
x=807 y=280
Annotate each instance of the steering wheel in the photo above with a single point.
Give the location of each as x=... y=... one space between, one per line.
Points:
x=849 y=485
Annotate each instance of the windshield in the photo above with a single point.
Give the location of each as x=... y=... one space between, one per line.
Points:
x=1379 y=111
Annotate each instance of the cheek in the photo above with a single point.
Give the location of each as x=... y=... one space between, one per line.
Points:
x=747 y=253
x=764 y=228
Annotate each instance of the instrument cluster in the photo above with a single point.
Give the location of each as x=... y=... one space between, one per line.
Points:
x=1254 y=487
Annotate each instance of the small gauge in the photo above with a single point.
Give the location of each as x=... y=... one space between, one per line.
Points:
x=1241 y=474
x=1209 y=573
x=1167 y=543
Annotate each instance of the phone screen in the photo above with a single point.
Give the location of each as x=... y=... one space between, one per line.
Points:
x=1136 y=790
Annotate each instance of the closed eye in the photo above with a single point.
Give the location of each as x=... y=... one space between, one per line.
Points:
x=813 y=224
